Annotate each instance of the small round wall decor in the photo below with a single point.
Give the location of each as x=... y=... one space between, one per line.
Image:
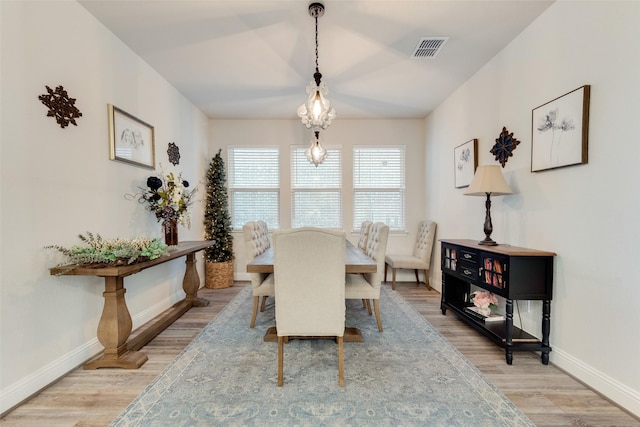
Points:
x=60 y=106
x=505 y=144
x=174 y=153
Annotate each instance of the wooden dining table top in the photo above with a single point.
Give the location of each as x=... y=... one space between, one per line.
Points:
x=355 y=261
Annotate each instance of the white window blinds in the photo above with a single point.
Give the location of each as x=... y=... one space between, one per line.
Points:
x=254 y=185
x=379 y=185
x=316 y=192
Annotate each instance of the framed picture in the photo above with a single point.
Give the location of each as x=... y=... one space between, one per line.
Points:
x=465 y=162
x=131 y=140
x=560 y=131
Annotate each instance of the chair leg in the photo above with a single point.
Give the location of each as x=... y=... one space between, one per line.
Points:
x=376 y=305
x=255 y=311
x=426 y=279
x=264 y=300
x=417 y=277
x=385 y=271
x=340 y=361
x=280 y=360
x=368 y=305
x=364 y=302
x=393 y=279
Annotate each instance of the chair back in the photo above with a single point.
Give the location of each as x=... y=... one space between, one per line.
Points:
x=256 y=241
x=424 y=240
x=309 y=275
x=376 y=250
x=364 y=234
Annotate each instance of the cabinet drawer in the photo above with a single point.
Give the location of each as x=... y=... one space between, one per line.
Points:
x=468 y=270
x=469 y=256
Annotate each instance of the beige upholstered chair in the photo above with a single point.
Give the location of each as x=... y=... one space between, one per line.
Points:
x=367 y=286
x=256 y=241
x=364 y=234
x=309 y=276
x=421 y=257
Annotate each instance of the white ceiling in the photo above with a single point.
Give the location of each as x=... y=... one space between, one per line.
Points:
x=244 y=59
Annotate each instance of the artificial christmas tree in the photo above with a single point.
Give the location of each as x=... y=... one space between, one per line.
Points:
x=217 y=227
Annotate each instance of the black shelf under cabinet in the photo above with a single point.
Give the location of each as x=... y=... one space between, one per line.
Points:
x=513 y=273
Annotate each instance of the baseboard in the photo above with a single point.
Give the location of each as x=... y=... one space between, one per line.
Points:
x=20 y=391
x=611 y=389
x=17 y=393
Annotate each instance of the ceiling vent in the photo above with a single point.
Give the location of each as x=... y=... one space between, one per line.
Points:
x=429 y=47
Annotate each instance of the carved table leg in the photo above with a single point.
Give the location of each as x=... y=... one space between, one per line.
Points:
x=546 y=328
x=509 y=332
x=114 y=330
x=191 y=283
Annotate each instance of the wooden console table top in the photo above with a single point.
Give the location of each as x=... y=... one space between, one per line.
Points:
x=499 y=249
x=182 y=249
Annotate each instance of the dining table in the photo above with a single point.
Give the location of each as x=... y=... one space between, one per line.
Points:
x=355 y=261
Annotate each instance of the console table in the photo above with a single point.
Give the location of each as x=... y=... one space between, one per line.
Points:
x=115 y=323
x=513 y=273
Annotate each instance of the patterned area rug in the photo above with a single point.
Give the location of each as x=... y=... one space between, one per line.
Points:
x=408 y=375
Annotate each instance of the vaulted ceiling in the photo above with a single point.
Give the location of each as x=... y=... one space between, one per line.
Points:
x=243 y=59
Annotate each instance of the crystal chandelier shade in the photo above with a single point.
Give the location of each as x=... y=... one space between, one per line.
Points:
x=316 y=153
x=317 y=113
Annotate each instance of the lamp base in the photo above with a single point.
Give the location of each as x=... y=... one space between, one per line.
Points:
x=487 y=242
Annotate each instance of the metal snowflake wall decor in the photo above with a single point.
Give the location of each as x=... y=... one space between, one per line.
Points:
x=505 y=144
x=60 y=106
x=174 y=153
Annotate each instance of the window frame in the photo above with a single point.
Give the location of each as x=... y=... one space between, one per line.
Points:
x=399 y=190
x=234 y=189
x=301 y=189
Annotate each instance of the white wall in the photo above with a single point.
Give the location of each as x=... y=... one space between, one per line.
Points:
x=343 y=133
x=588 y=213
x=58 y=183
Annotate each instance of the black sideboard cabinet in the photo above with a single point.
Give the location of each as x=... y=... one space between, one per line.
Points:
x=513 y=273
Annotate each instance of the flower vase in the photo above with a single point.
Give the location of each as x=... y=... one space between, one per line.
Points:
x=170 y=227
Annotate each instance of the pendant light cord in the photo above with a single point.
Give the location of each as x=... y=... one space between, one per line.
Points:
x=317 y=76
x=316 y=17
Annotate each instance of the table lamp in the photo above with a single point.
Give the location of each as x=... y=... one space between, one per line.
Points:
x=488 y=180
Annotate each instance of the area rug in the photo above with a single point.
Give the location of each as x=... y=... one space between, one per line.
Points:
x=408 y=375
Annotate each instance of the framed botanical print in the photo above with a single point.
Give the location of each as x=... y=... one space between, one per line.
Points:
x=130 y=139
x=465 y=162
x=560 y=131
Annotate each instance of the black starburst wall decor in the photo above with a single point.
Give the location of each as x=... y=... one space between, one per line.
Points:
x=505 y=144
x=60 y=106
x=174 y=153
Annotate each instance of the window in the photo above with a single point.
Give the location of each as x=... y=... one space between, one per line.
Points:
x=379 y=185
x=316 y=192
x=254 y=185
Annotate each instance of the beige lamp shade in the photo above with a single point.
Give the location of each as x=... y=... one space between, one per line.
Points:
x=488 y=179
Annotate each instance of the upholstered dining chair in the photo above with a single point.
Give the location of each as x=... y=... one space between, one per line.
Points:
x=420 y=259
x=364 y=234
x=366 y=286
x=256 y=241
x=309 y=274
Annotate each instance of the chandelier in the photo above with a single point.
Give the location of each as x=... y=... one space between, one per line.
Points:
x=316 y=113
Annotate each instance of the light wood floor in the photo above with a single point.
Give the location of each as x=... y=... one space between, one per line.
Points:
x=544 y=393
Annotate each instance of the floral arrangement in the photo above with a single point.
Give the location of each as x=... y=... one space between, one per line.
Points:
x=100 y=252
x=484 y=300
x=168 y=198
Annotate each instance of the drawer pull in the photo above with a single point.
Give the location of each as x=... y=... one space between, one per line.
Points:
x=467 y=256
x=467 y=272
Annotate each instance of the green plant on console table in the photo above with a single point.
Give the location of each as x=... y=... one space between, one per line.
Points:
x=99 y=252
